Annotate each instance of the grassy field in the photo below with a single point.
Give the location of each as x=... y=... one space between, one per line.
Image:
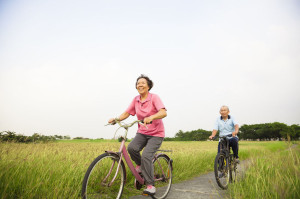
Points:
x=271 y=175
x=56 y=170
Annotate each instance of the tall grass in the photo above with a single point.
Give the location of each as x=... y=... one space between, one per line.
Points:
x=56 y=170
x=271 y=176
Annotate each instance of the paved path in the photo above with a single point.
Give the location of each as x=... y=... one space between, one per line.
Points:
x=202 y=187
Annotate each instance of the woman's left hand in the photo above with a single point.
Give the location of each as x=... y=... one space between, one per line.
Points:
x=147 y=120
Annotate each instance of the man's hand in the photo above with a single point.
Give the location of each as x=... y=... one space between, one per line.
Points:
x=234 y=134
x=211 y=137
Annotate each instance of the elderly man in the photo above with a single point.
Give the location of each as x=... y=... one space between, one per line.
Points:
x=226 y=125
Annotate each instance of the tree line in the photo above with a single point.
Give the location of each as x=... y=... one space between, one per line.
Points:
x=270 y=131
x=9 y=136
x=195 y=135
x=266 y=131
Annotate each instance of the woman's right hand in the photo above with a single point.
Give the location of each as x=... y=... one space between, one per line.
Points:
x=112 y=120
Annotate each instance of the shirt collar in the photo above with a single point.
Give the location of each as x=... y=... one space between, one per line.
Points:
x=222 y=118
x=138 y=98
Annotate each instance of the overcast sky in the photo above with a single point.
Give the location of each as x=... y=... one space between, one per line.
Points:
x=68 y=66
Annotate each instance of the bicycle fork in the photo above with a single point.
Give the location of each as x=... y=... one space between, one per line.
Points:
x=110 y=172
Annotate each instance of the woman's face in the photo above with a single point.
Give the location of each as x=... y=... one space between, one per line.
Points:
x=142 y=86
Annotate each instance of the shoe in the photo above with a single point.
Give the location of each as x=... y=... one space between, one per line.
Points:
x=237 y=161
x=150 y=190
x=138 y=169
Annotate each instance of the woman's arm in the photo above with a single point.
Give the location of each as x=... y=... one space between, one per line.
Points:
x=159 y=115
x=123 y=116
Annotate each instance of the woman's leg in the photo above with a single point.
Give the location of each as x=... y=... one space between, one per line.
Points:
x=152 y=146
x=135 y=146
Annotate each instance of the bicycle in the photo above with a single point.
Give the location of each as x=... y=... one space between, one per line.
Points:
x=225 y=166
x=106 y=176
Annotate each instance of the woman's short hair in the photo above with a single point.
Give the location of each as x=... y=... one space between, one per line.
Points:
x=149 y=81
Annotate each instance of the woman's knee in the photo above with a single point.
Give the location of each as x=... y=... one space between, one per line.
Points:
x=131 y=149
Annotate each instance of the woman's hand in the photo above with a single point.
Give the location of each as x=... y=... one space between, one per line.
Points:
x=123 y=116
x=147 y=120
x=112 y=120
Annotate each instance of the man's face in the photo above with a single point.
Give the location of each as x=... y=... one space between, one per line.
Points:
x=224 y=112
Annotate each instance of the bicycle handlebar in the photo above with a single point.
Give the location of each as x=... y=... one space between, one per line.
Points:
x=224 y=136
x=125 y=126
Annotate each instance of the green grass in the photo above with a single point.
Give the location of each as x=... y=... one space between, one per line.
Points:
x=273 y=174
x=56 y=170
x=87 y=141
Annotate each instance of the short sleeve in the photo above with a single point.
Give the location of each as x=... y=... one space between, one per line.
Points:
x=216 y=126
x=234 y=121
x=131 y=109
x=158 y=103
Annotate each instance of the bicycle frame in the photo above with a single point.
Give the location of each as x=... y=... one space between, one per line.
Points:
x=223 y=148
x=226 y=149
x=123 y=153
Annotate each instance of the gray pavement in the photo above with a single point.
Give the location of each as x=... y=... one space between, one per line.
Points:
x=202 y=187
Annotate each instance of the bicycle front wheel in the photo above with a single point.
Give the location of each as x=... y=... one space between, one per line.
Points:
x=222 y=170
x=103 y=178
x=162 y=175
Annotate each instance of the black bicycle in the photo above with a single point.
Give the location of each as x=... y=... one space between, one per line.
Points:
x=225 y=165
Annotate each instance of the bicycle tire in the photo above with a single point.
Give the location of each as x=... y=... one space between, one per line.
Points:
x=233 y=171
x=162 y=175
x=94 y=184
x=221 y=170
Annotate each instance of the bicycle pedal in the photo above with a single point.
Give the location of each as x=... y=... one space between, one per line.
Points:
x=144 y=194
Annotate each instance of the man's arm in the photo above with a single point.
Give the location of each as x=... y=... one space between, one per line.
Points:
x=236 y=130
x=213 y=134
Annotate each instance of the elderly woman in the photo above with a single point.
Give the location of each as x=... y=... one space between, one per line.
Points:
x=148 y=107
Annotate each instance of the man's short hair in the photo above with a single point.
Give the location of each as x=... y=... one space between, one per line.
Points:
x=224 y=107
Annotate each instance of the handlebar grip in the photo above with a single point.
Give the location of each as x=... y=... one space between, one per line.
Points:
x=142 y=121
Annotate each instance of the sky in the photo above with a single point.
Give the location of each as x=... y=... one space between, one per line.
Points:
x=67 y=67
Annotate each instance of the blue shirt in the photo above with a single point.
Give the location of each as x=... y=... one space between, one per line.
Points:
x=225 y=127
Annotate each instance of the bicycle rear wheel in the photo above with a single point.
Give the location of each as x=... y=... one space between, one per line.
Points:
x=222 y=170
x=162 y=175
x=98 y=181
x=233 y=171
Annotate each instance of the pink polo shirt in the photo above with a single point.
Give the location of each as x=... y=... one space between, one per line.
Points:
x=145 y=109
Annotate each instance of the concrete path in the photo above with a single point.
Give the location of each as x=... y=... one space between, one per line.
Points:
x=202 y=187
